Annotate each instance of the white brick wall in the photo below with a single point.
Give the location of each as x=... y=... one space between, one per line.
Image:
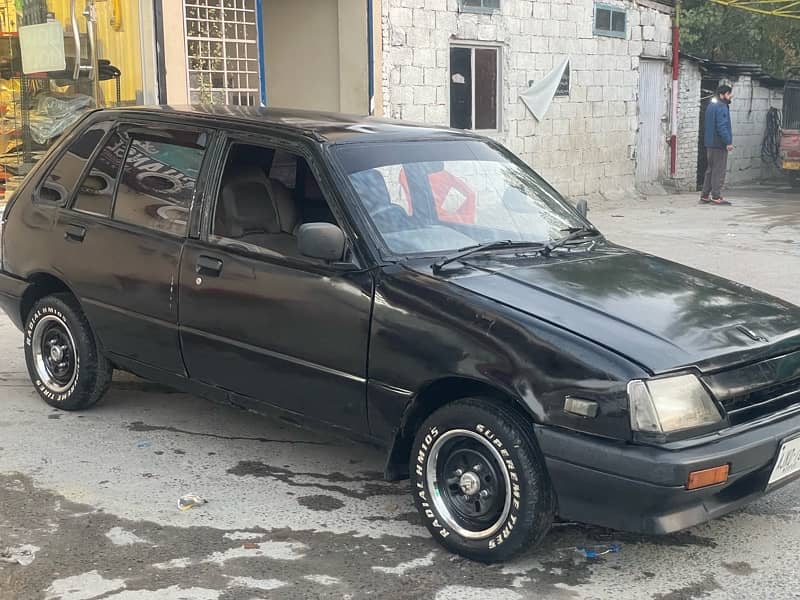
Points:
x=749 y=109
x=586 y=142
x=689 y=84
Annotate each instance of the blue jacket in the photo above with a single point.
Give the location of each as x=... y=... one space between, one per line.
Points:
x=718 y=132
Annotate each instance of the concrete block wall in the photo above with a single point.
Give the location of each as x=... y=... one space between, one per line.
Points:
x=689 y=91
x=586 y=143
x=748 y=120
x=751 y=101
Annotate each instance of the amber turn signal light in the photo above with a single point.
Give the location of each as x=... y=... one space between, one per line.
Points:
x=707 y=477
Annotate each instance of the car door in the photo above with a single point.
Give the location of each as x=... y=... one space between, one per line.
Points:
x=120 y=239
x=256 y=317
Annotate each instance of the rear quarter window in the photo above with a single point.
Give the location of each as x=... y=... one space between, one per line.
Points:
x=61 y=180
x=96 y=192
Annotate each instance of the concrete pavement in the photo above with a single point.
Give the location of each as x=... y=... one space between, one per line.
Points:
x=89 y=500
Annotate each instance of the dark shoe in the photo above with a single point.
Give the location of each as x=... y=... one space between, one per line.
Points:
x=704 y=199
x=720 y=202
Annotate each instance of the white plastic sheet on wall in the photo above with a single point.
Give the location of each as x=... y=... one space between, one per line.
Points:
x=539 y=96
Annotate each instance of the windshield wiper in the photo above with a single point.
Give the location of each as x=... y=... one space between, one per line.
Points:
x=574 y=234
x=464 y=252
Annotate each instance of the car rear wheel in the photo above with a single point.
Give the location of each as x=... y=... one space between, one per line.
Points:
x=64 y=362
x=479 y=480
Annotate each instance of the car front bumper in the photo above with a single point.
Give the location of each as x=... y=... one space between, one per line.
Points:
x=11 y=292
x=643 y=488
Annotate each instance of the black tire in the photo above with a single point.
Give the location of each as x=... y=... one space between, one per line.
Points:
x=63 y=358
x=481 y=430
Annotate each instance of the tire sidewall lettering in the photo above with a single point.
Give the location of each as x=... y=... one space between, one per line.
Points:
x=427 y=509
x=36 y=316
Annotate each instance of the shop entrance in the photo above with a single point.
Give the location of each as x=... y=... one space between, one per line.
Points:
x=59 y=58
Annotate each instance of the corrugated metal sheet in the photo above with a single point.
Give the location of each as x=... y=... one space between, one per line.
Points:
x=652 y=104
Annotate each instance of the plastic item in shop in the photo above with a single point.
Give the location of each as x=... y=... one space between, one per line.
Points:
x=54 y=115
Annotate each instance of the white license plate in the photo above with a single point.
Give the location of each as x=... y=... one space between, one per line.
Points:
x=788 y=462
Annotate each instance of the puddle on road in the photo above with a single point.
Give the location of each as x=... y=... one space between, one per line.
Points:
x=370 y=484
x=320 y=502
x=142 y=557
x=151 y=561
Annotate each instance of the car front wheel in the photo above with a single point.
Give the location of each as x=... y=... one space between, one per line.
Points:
x=64 y=362
x=479 y=480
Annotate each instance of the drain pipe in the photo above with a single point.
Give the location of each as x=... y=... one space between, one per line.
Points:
x=676 y=67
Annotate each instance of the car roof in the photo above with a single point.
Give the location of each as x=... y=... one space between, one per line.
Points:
x=332 y=128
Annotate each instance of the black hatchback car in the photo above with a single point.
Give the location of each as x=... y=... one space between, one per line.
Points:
x=422 y=288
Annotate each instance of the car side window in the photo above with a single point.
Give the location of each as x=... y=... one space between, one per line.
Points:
x=96 y=192
x=265 y=196
x=60 y=182
x=158 y=180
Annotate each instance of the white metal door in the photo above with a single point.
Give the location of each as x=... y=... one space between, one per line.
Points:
x=652 y=110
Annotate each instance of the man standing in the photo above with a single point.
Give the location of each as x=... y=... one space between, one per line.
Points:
x=718 y=142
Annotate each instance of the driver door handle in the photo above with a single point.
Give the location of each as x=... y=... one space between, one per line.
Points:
x=76 y=233
x=208 y=265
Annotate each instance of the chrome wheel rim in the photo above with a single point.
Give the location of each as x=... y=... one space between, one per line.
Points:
x=469 y=483
x=54 y=354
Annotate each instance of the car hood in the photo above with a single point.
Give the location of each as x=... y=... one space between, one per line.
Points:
x=657 y=313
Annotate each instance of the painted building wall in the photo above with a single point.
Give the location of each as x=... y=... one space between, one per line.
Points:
x=316 y=54
x=175 y=53
x=586 y=143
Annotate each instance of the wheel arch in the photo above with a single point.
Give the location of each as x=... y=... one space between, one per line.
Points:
x=41 y=284
x=432 y=397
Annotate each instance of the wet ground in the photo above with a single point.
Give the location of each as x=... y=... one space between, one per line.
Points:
x=88 y=502
x=755 y=241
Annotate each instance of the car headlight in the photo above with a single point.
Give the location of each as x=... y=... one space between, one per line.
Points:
x=670 y=404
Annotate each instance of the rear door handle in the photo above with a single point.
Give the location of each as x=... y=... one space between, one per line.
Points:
x=208 y=265
x=75 y=232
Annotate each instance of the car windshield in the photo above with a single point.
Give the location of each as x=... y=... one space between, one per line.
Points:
x=429 y=197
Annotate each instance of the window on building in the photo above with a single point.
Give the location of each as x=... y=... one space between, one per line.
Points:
x=222 y=52
x=475 y=87
x=158 y=180
x=479 y=6
x=57 y=187
x=96 y=193
x=610 y=20
x=563 y=85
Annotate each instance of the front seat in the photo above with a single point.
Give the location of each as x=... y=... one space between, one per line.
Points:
x=285 y=241
x=256 y=210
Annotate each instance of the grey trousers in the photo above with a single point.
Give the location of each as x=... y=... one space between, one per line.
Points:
x=715 y=173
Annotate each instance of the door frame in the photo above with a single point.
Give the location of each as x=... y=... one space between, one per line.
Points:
x=314 y=160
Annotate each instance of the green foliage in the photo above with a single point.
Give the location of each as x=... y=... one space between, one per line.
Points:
x=734 y=35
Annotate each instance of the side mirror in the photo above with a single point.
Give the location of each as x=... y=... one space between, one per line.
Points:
x=323 y=241
x=583 y=208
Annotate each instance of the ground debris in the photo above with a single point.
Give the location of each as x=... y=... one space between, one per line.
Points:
x=21 y=555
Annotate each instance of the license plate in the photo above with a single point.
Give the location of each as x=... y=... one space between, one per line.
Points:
x=788 y=462
x=792 y=165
